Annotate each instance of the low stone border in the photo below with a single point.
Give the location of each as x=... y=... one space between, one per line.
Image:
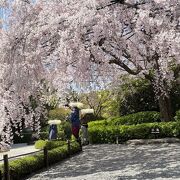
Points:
x=152 y=141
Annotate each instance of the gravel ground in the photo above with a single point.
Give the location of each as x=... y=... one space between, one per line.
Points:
x=118 y=162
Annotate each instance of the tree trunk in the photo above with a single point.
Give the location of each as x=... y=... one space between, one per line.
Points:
x=164 y=102
x=165 y=108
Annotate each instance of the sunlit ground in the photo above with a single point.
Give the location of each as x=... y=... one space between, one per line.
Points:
x=119 y=162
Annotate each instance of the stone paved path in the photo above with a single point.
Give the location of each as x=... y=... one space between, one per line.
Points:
x=18 y=149
x=118 y=162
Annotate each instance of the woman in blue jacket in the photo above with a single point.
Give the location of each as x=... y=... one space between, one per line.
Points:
x=75 y=121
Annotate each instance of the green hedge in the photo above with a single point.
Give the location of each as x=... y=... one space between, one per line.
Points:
x=131 y=119
x=137 y=118
x=108 y=134
x=64 y=131
x=40 y=144
x=45 y=135
x=24 y=166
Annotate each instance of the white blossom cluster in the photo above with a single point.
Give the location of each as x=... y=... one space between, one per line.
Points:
x=65 y=41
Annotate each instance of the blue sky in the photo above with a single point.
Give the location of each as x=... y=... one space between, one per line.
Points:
x=3 y=15
x=5 y=11
x=2 y=12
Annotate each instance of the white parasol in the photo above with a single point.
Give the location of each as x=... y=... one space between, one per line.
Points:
x=55 y=121
x=87 y=111
x=76 y=104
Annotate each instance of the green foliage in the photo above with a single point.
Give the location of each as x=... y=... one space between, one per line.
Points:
x=177 y=117
x=103 y=102
x=58 y=113
x=131 y=119
x=98 y=122
x=64 y=131
x=44 y=135
x=24 y=166
x=40 y=144
x=132 y=126
x=109 y=103
x=108 y=134
x=175 y=97
x=136 y=95
x=136 y=118
x=57 y=154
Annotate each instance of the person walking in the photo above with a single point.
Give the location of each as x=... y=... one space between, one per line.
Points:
x=86 y=116
x=84 y=128
x=53 y=132
x=75 y=121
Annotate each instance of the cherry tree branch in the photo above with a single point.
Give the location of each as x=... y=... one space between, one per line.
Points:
x=123 y=2
x=118 y=62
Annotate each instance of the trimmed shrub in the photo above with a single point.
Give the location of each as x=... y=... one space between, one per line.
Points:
x=40 y=144
x=108 y=134
x=24 y=166
x=137 y=118
x=99 y=122
x=131 y=119
x=59 y=153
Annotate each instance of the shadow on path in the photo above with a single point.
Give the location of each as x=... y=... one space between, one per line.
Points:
x=106 y=162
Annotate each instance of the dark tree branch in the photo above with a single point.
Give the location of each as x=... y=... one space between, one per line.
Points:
x=123 y=2
x=93 y=59
x=125 y=67
x=118 y=62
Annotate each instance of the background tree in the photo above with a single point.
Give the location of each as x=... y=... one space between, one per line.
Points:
x=139 y=40
x=87 y=41
x=99 y=38
x=103 y=102
x=135 y=95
